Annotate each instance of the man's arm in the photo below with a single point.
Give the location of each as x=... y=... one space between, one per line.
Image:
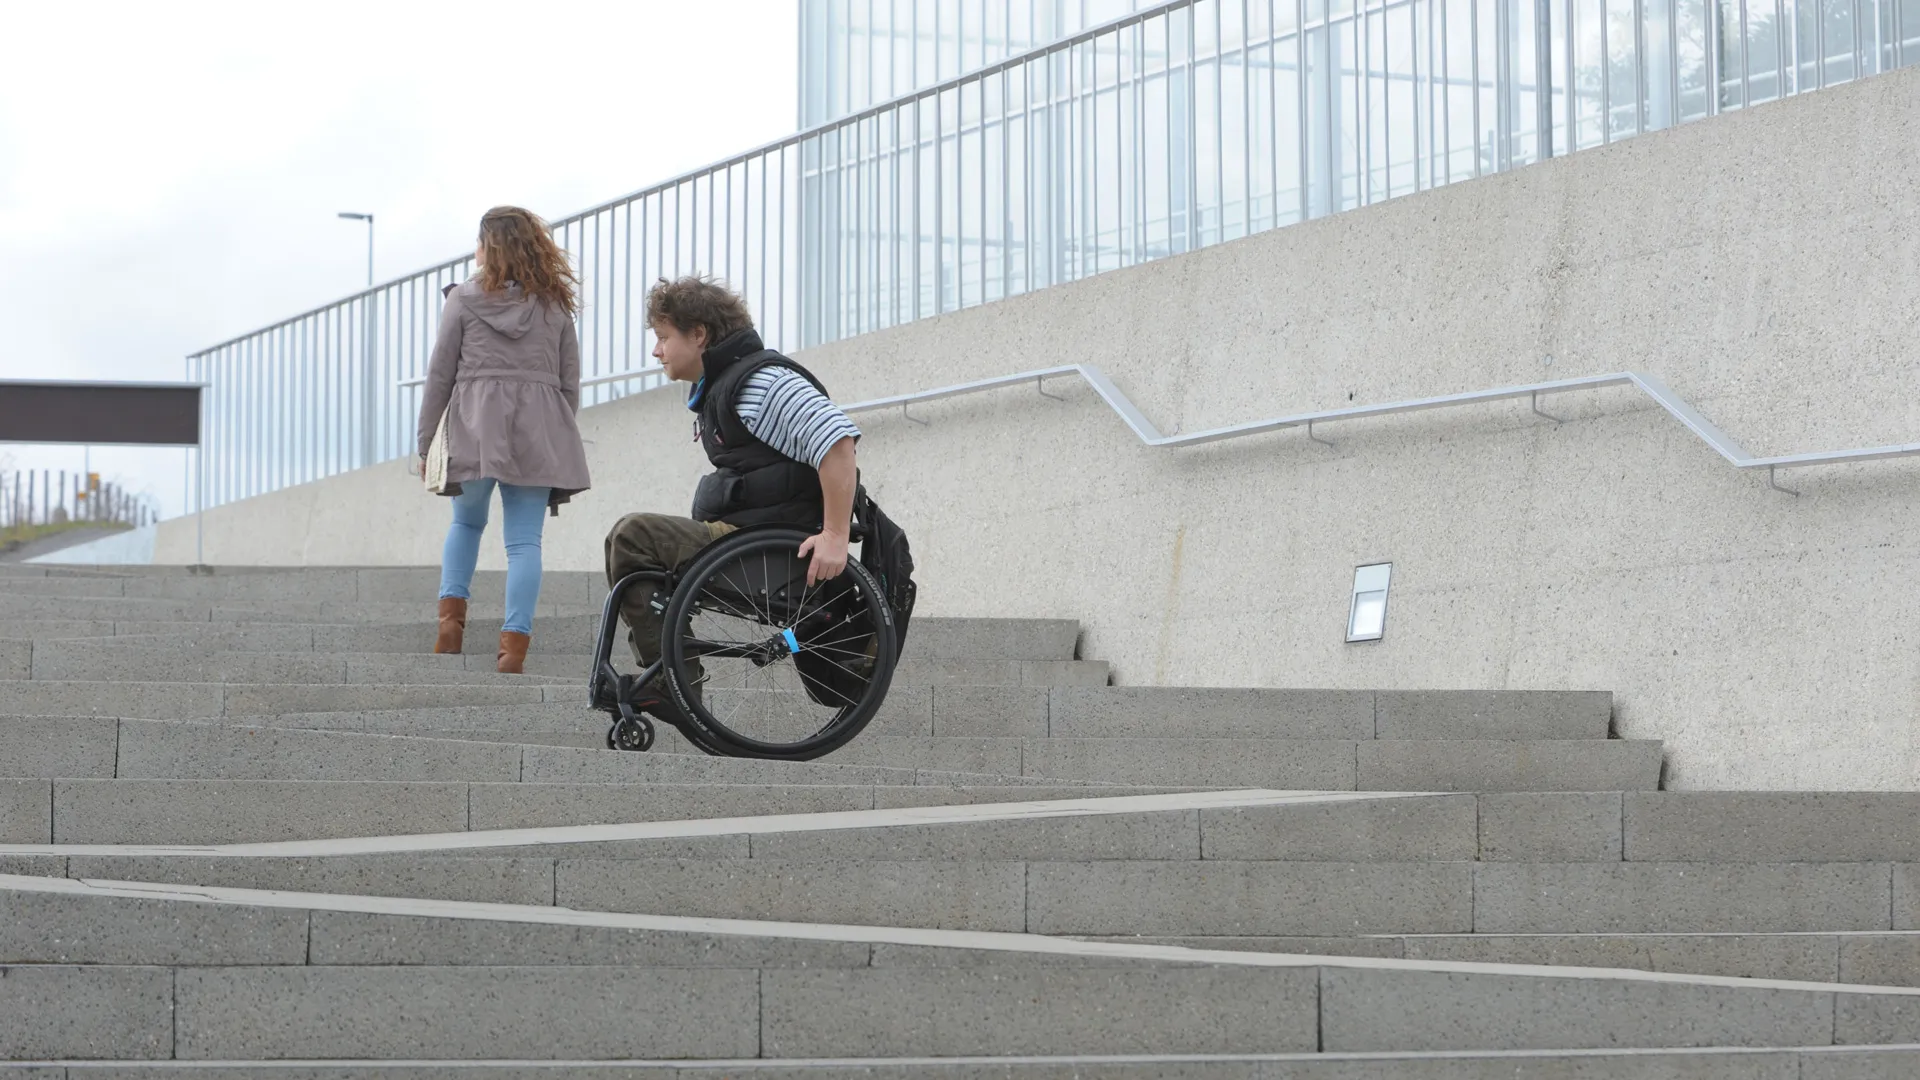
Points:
x=782 y=409
x=838 y=476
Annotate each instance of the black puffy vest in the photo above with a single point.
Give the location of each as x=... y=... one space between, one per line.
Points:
x=752 y=483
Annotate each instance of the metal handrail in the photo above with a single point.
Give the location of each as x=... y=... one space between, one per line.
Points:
x=798 y=138
x=1151 y=435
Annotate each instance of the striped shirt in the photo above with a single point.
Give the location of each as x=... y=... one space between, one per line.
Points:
x=783 y=410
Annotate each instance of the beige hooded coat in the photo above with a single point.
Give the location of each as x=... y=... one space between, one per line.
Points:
x=507 y=369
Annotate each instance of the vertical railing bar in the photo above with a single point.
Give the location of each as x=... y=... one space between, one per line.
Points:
x=1567 y=76
x=1006 y=164
x=1193 y=142
x=389 y=393
x=919 y=125
x=1785 y=41
x=1710 y=55
x=1543 y=79
x=893 y=203
x=1363 y=67
x=626 y=306
x=876 y=263
x=1090 y=173
x=1219 y=120
x=1673 y=63
x=1859 y=44
x=1746 y=59
x=1246 y=116
x=1473 y=31
x=1606 y=77
x=939 y=199
x=1642 y=86
x=1027 y=159
x=1273 y=96
x=1305 y=140
x=600 y=319
x=1413 y=62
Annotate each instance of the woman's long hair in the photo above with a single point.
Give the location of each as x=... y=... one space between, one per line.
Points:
x=516 y=246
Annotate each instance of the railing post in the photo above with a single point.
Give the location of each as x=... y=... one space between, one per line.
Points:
x=1543 y=76
x=369 y=371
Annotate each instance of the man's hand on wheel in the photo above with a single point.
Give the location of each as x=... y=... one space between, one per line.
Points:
x=829 y=556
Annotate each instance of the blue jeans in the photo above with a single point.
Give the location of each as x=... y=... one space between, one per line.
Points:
x=525 y=514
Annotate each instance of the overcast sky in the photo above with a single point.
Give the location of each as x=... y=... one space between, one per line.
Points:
x=170 y=173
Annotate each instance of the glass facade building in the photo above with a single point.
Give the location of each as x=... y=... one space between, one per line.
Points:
x=1099 y=135
x=954 y=152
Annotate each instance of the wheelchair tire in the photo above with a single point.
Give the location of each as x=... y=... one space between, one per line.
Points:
x=776 y=669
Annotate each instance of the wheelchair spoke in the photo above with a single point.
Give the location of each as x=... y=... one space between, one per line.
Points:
x=779 y=666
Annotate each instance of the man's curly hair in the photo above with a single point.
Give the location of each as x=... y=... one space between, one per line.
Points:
x=694 y=301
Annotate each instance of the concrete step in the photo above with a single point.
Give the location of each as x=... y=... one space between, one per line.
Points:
x=15 y=607
x=1199 y=712
x=1404 y=765
x=48 y=928
x=305 y=586
x=189 y=700
x=511 y=1013
x=1836 y=1063
x=1867 y=959
x=1891 y=959
x=68 y=661
x=134 y=811
x=137 y=660
x=184 y=750
x=932 y=638
x=966 y=714
x=42 y=928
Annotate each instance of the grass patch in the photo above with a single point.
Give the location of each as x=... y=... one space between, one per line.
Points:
x=17 y=536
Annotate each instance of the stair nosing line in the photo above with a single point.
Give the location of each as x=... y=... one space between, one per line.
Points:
x=980 y=940
x=839 y=820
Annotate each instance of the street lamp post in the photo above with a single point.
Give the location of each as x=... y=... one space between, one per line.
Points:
x=368 y=218
x=368 y=400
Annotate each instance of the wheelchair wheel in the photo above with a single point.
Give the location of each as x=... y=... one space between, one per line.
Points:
x=766 y=666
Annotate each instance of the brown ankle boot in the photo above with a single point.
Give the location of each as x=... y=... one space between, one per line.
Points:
x=453 y=625
x=513 y=652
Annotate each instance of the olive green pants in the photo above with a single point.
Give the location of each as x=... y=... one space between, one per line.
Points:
x=653 y=542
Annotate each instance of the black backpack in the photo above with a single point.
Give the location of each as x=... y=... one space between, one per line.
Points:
x=885 y=554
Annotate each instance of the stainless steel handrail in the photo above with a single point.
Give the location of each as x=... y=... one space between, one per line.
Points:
x=1150 y=435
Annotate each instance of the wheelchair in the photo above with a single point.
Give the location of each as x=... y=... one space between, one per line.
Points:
x=759 y=664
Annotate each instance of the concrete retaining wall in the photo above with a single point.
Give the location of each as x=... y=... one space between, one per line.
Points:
x=1762 y=264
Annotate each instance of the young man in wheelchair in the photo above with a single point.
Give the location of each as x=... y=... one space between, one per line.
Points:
x=783 y=453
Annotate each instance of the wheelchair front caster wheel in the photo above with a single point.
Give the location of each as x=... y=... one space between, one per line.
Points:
x=631 y=732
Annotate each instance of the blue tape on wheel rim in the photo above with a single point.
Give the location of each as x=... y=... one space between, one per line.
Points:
x=793 y=643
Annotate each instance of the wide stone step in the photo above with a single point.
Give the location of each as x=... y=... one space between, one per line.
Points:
x=44 y=928
x=1891 y=959
x=1199 y=712
x=1836 y=1063
x=306 y=586
x=161 y=749
x=14 y=607
x=124 y=661
x=88 y=662
x=248 y=811
x=570 y=635
x=190 y=700
x=50 y=928
x=512 y=1013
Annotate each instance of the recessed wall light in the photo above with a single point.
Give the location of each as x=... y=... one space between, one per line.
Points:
x=1367 y=617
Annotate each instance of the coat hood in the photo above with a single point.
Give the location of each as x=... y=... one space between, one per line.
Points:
x=510 y=312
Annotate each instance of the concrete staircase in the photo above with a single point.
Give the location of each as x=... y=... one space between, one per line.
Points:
x=249 y=827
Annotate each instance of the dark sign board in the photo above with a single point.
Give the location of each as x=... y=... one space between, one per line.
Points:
x=100 y=414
